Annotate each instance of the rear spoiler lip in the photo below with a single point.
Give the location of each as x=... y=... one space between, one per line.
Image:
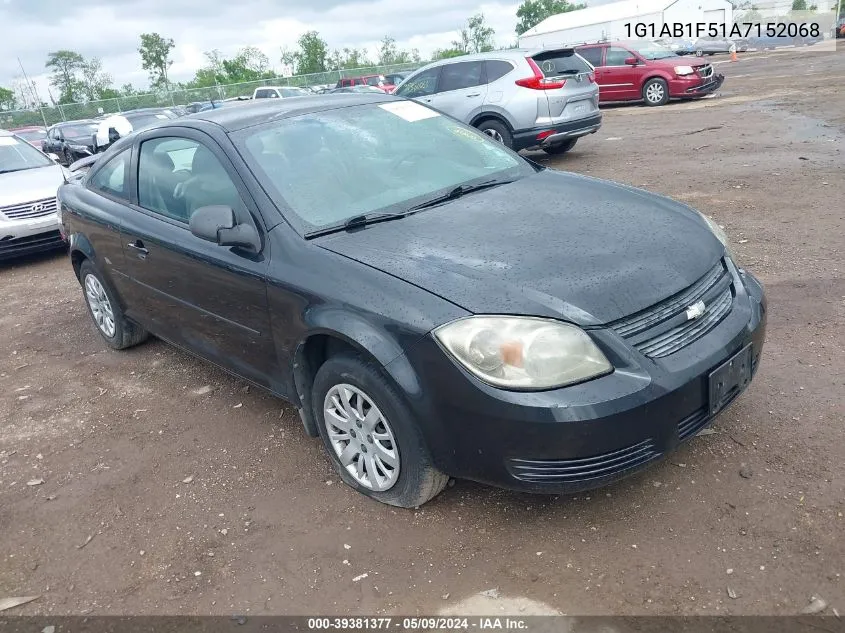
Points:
x=565 y=50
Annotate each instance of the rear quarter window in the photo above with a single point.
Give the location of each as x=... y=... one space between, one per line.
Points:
x=592 y=55
x=496 y=69
x=557 y=63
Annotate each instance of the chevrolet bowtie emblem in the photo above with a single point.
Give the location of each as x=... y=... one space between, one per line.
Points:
x=695 y=310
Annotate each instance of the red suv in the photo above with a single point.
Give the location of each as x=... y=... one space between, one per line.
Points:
x=379 y=81
x=635 y=71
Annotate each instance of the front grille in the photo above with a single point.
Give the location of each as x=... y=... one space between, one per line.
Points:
x=666 y=327
x=34 y=209
x=12 y=247
x=584 y=469
x=705 y=72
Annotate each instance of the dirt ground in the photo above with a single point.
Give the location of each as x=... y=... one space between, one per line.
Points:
x=172 y=488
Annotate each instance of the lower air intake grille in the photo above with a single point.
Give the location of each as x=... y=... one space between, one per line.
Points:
x=577 y=470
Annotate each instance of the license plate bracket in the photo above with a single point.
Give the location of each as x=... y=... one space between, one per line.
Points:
x=729 y=378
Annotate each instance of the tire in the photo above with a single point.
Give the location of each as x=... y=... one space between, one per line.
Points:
x=67 y=157
x=497 y=131
x=656 y=92
x=118 y=332
x=417 y=480
x=560 y=148
x=699 y=53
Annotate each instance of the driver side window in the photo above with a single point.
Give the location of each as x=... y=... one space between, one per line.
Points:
x=177 y=176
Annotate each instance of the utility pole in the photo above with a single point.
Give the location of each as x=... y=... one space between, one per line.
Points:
x=33 y=93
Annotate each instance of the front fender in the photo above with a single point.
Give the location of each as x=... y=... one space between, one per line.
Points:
x=372 y=340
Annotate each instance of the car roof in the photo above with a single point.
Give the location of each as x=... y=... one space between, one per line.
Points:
x=512 y=54
x=77 y=122
x=26 y=128
x=263 y=110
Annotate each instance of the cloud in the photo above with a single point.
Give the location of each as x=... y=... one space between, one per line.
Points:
x=111 y=29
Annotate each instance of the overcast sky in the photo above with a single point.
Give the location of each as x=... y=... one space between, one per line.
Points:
x=110 y=29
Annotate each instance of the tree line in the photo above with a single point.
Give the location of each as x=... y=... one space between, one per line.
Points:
x=75 y=78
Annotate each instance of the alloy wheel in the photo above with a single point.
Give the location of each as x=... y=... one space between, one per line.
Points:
x=100 y=305
x=494 y=135
x=361 y=437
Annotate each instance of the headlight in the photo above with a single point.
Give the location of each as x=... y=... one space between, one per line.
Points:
x=683 y=70
x=720 y=234
x=523 y=352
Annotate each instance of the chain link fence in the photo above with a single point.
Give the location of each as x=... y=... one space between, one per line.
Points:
x=179 y=96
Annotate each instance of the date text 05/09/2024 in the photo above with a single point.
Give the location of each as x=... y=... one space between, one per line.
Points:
x=715 y=29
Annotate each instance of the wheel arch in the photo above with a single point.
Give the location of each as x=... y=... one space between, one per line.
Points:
x=80 y=249
x=337 y=333
x=481 y=117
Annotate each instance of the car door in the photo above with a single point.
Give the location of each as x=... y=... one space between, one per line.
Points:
x=208 y=298
x=54 y=140
x=421 y=86
x=461 y=90
x=620 y=79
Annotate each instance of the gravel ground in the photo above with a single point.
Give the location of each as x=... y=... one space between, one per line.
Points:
x=172 y=488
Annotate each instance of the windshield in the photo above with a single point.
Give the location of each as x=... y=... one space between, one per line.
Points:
x=141 y=121
x=16 y=155
x=79 y=131
x=653 y=51
x=293 y=92
x=32 y=135
x=375 y=80
x=330 y=166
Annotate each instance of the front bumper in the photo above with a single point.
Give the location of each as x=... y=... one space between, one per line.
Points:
x=686 y=89
x=21 y=237
x=583 y=436
x=525 y=139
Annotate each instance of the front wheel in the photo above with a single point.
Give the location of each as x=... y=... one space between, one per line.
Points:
x=68 y=158
x=371 y=435
x=656 y=92
x=699 y=53
x=560 y=148
x=497 y=131
x=117 y=331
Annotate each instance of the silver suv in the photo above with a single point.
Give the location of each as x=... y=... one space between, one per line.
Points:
x=522 y=98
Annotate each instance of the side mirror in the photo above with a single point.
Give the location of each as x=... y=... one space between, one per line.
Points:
x=631 y=61
x=113 y=135
x=216 y=224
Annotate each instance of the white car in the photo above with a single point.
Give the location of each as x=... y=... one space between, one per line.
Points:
x=279 y=92
x=29 y=180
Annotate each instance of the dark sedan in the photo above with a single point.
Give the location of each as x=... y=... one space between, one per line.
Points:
x=70 y=141
x=434 y=304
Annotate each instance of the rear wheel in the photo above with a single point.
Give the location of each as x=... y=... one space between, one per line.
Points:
x=116 y=330
x=560 y=148
x=371 y=435
x=656 y=92
x=497 y=131
x=699 y=53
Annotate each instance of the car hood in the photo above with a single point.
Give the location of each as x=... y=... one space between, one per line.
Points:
x=81 y=140
x=28 y=185
x=553 y=244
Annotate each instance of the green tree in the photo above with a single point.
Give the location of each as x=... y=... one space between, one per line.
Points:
x=94 y=81
x=531 y=12
x=66 y=66
x=311 y=56
x=347 y=59
x=249 y=64
x=799 y=5
x=7 y=99
x=128 y=90
x=155 y=57
x=751 y=15
x=109 y=93
x=446 y=53
x=475 y=37
x=389 y=53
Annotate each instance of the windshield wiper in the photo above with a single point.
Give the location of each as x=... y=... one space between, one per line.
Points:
x=356 y=221
x=457 y=192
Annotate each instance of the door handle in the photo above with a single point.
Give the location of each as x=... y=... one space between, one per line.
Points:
x=475 y=94
x=138 y=246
